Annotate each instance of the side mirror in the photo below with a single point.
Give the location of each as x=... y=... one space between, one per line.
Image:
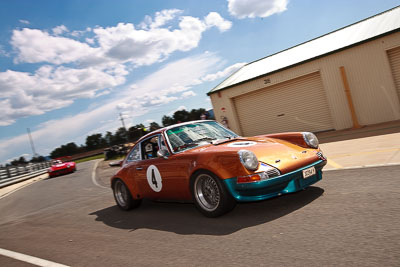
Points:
x=162 y=153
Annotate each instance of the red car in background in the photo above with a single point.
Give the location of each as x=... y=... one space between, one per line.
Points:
x=61 y=166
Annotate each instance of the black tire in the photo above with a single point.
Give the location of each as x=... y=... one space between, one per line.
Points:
x=210 y=195
x=123 y=196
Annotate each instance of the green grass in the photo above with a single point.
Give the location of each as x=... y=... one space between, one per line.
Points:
x=100 y=156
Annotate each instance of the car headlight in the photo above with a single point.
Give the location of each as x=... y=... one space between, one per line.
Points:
x=311 y=140
x=248 y=159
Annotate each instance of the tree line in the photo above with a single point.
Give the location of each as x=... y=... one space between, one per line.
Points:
x=22 y=161
x=123 y=135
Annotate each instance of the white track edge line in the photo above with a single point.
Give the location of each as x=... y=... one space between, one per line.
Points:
x=364 y=166
x=94 y=175
x=29 y=259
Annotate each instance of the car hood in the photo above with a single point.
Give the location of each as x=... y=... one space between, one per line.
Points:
x=275 y=152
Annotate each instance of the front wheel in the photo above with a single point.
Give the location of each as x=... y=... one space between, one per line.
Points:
x=123 y=197
x=210 y=195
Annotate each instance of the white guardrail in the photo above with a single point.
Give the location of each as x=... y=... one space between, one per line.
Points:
x=14 y=174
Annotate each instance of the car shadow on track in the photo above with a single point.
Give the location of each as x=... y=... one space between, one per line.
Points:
x=186 y=220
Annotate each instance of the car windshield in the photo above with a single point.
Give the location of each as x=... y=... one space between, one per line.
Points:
x=197 y=134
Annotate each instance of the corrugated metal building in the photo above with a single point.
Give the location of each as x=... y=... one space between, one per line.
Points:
x=344 y=79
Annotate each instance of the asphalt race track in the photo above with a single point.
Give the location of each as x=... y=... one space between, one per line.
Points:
x=350 y=218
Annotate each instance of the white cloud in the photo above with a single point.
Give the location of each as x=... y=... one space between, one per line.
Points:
x=54 y=133
x=60 y=30
x=34 y=46
x=122 y=106
x=175 y=77
x=90 y=41
x=181 y=108
x=155 y=100
x=215 y=19
x=161 y=18
x=133 y=101
x=224 y=73
x=125 y=43
x=188 y=94
x=23 y=94
x=175 y=110
x=24 y=21
x=153 y=41
x=161 y=88
x=3 y=52
x=256 y=8
x=76 y=69
x=93 y=70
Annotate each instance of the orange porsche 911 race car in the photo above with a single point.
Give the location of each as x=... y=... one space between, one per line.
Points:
x=204 y=162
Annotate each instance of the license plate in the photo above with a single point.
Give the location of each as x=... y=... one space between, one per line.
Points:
x=308 y=172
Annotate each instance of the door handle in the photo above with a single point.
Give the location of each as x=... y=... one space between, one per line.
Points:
x=139 y=168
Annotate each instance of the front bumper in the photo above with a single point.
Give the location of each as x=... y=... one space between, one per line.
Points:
x=283 y=184
x=61 y=171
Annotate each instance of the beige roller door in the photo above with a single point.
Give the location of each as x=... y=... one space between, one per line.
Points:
x=394 y=59
x=296 y=105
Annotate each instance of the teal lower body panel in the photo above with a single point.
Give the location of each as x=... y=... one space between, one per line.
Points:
x=283 y=184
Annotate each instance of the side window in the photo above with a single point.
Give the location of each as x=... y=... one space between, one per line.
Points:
x=150 y=147
x=135 y=154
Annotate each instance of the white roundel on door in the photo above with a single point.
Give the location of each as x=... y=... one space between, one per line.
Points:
x=154 y=178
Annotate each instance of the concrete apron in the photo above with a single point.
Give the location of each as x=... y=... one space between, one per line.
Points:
x=382 y=150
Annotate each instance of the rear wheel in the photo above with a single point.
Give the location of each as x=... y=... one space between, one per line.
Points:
x=210 y=195
x=123 y=197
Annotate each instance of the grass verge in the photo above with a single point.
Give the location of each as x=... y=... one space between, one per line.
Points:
x=100 y=156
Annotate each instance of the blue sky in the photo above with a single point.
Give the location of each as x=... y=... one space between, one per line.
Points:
x=68 y=68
